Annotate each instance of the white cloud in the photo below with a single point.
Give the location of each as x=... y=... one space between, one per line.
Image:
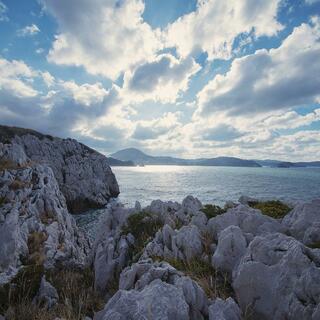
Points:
x=160 y=80
x=107 y=37
x=16 y=77
x=312 y=1
x=215 y=24
x=3 y=12
x=31 y=30
x=285 y=77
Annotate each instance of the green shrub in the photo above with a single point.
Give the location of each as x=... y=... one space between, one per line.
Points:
x=212 y=210
x=3 y=201
x=275 y=208
x=143 y=226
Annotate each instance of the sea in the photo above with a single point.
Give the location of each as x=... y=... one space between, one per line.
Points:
x=211 y=185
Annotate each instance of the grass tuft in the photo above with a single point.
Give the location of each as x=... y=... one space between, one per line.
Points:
x=275 y=208
x=143 y=226
x=212 y=210
x=214 y=283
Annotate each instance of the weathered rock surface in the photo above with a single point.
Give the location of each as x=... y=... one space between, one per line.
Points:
x=278 y=278
x=83 y=174
x=35 y=226
x=156 y=291
x=231 y=247
x=184 y=244
x=224 y=310
x=110 y=252
x=303 y=222
x=250 y=221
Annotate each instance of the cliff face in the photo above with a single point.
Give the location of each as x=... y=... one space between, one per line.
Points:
x=83 y=175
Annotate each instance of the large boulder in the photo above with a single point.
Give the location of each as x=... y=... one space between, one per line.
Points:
x=35 y=225
x=303 y=222
x=278 y=278
x=224 y=310
x=250 y=221
x=158 y=300
x=231 y=247
x=156 y=278
x=184 y=244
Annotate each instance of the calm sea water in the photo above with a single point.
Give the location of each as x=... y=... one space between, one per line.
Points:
x=216 y=184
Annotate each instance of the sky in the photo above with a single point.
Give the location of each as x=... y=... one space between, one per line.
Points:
x=187 y=78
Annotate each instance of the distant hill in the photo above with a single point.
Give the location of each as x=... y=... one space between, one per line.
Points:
x=286 y=164
x=118 y=163
x=139 y=157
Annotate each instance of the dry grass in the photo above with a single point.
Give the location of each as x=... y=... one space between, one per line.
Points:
x=36 y=248
x=8 y=165
x=215 y=283
x=47 y=217
x=77 y=298
x=18 y=185
x=212 y=210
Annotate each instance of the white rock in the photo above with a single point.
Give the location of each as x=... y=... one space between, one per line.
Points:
x=231 y=247
x=224 y=310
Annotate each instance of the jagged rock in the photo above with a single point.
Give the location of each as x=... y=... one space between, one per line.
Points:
x=36 y=226
x=231 y=247
x=142 y=275
x=158 y=300
x=303 y=222
x=47 y=294
x=246 y=200
x=191 y=205
x=224 y=310
x=12 y=153
x=83 y=174
x=247 y=219
x=278 y=278
x=184 y=244
x=110 y=252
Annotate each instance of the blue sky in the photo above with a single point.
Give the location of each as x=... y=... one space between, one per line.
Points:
x=185 y=78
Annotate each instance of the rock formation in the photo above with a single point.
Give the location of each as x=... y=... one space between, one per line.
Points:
x=83 y=174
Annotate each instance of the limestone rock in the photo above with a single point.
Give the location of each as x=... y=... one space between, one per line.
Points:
x=158 y=300
x=84 y=176
x=231 y=247
x=47 y=295
x=303 y=222
x=249 y=220
x=36 y=226
x=224 y=310
x=278 y=278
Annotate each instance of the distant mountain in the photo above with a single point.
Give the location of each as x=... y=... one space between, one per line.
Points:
x=286 y=164
x=139 y=157
x=118 y=163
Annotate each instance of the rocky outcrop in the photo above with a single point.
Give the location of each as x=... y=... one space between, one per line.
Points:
x=83 y=174
x=303 y=222
x=156 y=291
x=35 y=225
x=278 y=278
x=224 y=310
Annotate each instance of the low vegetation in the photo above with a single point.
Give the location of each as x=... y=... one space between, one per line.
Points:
x=143 y=226
x=18 y=185
x=8 y=165
x=275 y=208
x=77 y=297
x=36 y=242
x=212 y=210
x=3 y=201
x=215 y=283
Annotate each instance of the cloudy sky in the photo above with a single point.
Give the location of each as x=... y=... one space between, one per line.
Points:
x=189 y=78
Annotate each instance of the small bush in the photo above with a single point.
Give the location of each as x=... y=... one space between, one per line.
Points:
x=212 y=210
x=3 y=201
x=47 y=217
x=215 y=283
x=275 y=208
x=143 y=226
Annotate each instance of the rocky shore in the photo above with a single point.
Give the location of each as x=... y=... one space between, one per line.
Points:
x=248 y=260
